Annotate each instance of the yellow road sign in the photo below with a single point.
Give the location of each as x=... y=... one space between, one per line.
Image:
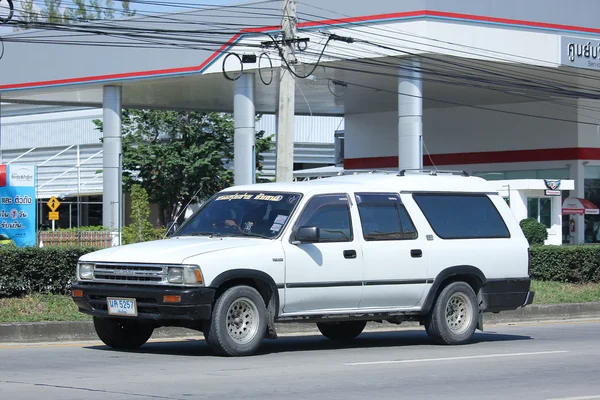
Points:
x=53 y=216
x=53 y=203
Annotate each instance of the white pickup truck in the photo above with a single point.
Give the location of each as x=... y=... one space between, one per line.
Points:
x=429 y=246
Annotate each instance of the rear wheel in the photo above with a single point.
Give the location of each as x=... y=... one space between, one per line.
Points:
x=238 y=323
x=453 y=319
x=122 y=334
x=341 y=330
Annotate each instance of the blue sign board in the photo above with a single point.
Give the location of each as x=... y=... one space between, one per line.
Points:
x=17 y=205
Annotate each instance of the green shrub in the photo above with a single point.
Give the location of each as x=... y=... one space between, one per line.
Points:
x=535 y=232
x=574 y=264
x=38 y=270
x=140 y=229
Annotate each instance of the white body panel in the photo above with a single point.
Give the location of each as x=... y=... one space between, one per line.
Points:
x=318 y=277
x=265 y=257
x=169 y=251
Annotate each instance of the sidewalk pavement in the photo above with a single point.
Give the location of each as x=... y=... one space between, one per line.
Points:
x=84 y=331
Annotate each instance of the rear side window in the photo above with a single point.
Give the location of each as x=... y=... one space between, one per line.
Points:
x=462 y=216
x=383 y=217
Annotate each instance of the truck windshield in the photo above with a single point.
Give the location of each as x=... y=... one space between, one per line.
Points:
x=257 y=214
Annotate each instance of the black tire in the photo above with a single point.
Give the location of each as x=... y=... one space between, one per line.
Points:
x=347 y=330
x=122 y=334
x=243 y=337
x=457 y=328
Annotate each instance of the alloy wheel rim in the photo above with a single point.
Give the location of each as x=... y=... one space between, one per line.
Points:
x=242 y=320
x=459 y=313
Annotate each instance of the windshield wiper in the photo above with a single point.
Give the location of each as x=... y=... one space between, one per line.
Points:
x=250 y=234
x=201 y=234
x=232 y=234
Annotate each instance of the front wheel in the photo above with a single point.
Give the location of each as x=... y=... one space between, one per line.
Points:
x=453 y=319
x=238 y=323
x=122 y=334
x=341 y=330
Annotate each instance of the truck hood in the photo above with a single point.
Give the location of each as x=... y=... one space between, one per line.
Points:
x=169 y=251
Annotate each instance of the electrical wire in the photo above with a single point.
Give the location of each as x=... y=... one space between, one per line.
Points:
x=11 y=12
x=469 y=77
x=470 y=105
x=312 y=129
x=263 y=54
x=241 y=66
x=504 y=91
x=395 y=34
x=289 y=68
x=459 y=73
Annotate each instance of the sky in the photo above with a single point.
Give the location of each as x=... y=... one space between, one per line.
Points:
x=161 y=7
x=180 y=5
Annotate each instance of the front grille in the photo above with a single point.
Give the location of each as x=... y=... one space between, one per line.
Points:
x=130 y=273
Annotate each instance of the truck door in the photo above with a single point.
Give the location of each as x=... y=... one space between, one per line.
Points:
x=326 y=275
x=395 y=260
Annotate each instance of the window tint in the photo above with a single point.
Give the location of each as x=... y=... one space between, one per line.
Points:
x=261 y=214
x=462 y=216
x=383 y=217
x=331 y=214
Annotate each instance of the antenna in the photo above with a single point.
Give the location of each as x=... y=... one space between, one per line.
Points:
x=182 y=211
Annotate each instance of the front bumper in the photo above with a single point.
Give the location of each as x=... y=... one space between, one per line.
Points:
x=195 y=304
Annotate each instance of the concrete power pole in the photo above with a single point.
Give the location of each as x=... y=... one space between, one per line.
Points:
x=287 y=101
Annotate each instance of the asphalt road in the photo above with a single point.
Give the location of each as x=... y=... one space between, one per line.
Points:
x=536 y=361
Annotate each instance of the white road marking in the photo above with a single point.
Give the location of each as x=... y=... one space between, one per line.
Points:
x=578 y=398
x=457 y=358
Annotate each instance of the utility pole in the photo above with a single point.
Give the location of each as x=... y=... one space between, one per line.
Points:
x=287 y=100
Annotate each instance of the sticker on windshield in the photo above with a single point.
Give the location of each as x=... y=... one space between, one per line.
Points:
x=246 y=196
x=281 y=219
x=292 y=199
x=236 y=196
x=276 y=227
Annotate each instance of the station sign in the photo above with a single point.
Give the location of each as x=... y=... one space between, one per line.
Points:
x=579 y=52
x=18 y=204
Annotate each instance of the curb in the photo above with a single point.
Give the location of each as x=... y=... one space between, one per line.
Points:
x=38 y=332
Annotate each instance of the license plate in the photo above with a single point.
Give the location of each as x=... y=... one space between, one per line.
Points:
x=124 y=307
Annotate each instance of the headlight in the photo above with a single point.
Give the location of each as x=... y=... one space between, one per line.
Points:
x=185 y=275
x=86 y=272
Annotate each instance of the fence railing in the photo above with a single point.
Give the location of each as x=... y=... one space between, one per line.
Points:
x=100 y=239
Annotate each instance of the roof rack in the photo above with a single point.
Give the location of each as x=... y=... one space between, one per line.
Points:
x=357 y=172
x=433 y=172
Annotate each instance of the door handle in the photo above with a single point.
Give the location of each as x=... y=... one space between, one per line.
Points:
x=349 y=253
x=416 y=253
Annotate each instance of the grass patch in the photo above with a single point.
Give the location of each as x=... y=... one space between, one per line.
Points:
x=559 y=292
x=45 y=307
x=40 y=308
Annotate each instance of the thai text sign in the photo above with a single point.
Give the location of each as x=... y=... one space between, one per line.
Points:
x=17 y=204
x=580 y=52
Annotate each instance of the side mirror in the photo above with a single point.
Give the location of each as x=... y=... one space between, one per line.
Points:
x=307 y=234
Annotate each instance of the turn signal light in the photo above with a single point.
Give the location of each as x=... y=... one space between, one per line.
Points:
x=77 y=293
x=172 y=299
x=198 y=275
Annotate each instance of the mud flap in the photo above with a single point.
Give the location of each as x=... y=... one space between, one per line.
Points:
x=480 y=308
x=271 y=311
x=480 y=320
